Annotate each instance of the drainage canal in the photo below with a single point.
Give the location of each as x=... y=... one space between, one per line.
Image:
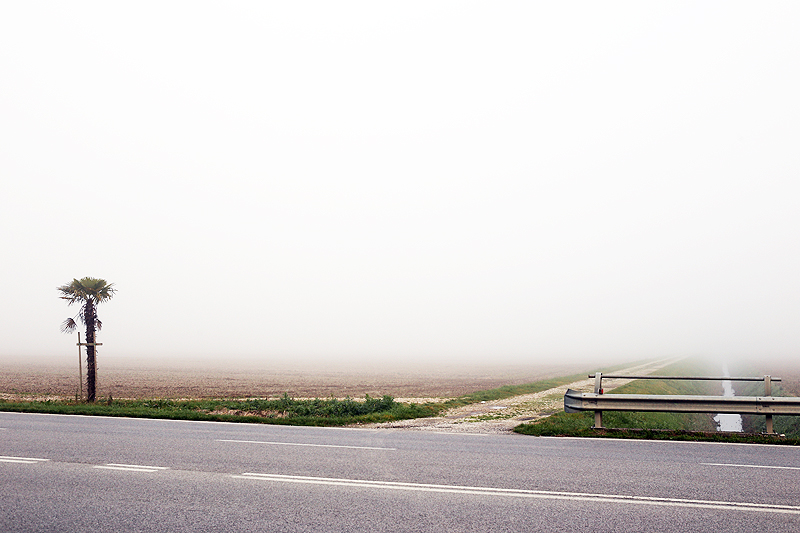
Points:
x=728 y=422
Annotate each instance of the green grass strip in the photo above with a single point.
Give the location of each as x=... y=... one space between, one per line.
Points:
x=318 y=412
x=580 y=425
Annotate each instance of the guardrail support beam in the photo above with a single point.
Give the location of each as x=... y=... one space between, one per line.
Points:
x=768 y=392
x=598 y=389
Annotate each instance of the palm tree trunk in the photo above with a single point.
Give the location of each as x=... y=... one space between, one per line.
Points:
x=91 y=363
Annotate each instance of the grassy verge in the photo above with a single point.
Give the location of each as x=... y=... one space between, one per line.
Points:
x=328 y=412
x=658 y=426
x=579 y=425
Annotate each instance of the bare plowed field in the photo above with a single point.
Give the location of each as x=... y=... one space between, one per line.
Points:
x=197 y=381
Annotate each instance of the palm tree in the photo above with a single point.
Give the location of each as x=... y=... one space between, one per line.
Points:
x=89 y=292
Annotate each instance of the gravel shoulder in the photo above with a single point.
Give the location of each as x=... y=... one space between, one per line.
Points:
x=501 y=416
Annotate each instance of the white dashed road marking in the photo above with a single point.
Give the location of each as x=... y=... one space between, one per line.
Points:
x=521 y=493
x=305 y=444
x=132 y=468
x=26 y=460
x=753 y=466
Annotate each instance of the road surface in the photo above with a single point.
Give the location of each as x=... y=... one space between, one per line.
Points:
x=74 y=474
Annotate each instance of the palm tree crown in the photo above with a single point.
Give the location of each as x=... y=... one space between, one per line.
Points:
x=98 y=290
x=90 y=292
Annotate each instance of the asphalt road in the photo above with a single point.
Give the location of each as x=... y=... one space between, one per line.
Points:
x=76 y=474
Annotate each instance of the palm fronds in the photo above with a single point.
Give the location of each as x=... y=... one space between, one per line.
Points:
x=86 y=289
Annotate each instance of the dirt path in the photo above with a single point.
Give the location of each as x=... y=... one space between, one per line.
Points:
x=502 y=416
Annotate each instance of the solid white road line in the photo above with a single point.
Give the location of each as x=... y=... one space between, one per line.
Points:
x=305 y=444
x=132 y=468
x=521 y=493
x=26 y=460
x=753 y=466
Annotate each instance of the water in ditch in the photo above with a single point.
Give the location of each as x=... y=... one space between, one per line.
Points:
x=726 y=422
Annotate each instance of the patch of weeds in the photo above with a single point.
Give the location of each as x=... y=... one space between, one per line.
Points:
x=490 y=416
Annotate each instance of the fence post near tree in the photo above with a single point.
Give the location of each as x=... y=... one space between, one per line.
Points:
x=80 y=370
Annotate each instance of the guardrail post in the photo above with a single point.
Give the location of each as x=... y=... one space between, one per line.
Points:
x=598 y=389
x=768 y=392
x=598 y=420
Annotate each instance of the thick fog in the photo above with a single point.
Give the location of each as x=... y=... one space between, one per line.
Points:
x=412 y=182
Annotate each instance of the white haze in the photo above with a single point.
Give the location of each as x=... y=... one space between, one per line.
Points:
x=403 y=181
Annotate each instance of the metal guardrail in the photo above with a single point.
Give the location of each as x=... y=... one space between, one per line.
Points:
x=575 y=401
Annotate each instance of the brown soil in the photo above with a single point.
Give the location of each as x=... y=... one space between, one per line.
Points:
x=196 y=381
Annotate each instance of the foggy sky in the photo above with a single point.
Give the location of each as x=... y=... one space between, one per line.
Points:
x=420 y=181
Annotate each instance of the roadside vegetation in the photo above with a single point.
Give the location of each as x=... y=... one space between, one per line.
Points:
x=786 y=425
x=285 y=410
x=580 y=425
x=665 y=426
